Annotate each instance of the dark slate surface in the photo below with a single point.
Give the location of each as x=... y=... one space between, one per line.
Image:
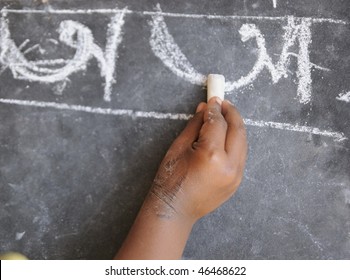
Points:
x=71 y=182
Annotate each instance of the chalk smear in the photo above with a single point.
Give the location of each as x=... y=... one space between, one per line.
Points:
x=337 y=136
x=344 y=97
x=305 y=229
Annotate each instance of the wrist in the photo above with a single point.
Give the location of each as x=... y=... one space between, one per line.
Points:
x=170 y=210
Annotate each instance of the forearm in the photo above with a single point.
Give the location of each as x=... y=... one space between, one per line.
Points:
x=157 y=233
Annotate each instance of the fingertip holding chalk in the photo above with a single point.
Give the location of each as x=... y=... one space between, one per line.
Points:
x=215 y=86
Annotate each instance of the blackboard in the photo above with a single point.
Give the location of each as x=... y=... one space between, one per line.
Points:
x=92 y=93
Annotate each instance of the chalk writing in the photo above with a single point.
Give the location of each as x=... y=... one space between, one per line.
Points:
x=164 y=47
x=80 y=38
x=74 y=35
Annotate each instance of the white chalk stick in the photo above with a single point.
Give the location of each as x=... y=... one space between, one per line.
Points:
x=216 y=86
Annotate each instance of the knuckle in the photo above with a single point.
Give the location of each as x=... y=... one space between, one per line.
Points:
x=218 y=121
x=234 y=175
x=212 y=155
x=214 y=114
x=214 y=158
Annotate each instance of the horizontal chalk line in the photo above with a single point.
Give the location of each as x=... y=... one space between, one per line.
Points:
x=97 y=110
x=298 y=128
x=165 y=14
x=337 y=136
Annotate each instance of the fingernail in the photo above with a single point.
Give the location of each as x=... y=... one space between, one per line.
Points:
x=215 y=99
x=218 y=100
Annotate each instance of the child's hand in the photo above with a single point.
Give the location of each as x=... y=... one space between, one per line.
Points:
x=201 y=170
x=204 y=166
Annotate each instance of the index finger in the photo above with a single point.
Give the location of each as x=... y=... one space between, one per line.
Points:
x=213 y=132
x=236 y=139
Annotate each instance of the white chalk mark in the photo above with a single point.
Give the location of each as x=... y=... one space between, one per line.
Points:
x=4 y=11
x=304 y=64
x=36 y=46
x=114 y=38
x=19 y=235
x=74 y=35
x=165 y=48
x=61 y=11
x=50 y=62
x=344 y=97
x=24 y=69
x=97 y=110
x=337 y=136
x=327 y=20
x=22 y=46
x=320 y=67
x=312 y=64
x=59 y=87
x=66 y=235
x=295 y=30
x=274 y=2
x=237 y=17
x=53 y=41
x=21 y=68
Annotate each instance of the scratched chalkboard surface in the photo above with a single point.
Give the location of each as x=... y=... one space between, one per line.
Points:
x=92 y=93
